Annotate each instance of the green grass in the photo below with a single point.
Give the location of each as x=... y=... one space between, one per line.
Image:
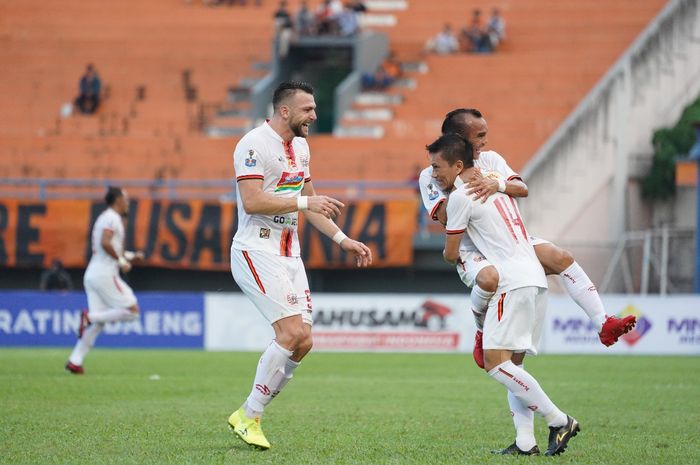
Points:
x=340 y=408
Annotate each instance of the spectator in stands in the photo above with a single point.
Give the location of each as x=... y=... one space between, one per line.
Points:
x=284 y=28
x=475 y=37
x=496 y=28
x=358 y=7
x=56 y=278
x=305 y=25
x=385 y=75
x=444 y=43
x=347 y=21
x=89 y=98
x=327 y=16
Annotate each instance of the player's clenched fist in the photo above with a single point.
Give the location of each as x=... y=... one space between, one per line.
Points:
x=362 y=253
x=327 y=206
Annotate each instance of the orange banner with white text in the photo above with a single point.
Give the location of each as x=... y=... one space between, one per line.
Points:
x=190 y=234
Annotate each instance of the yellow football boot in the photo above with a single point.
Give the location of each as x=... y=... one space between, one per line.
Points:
x=248 y=429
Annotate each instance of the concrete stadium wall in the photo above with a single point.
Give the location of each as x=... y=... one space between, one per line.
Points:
x=582 y=187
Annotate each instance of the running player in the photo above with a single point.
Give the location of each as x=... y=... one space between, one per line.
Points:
x=274 y=184
x=109 y=297
x=513 y=323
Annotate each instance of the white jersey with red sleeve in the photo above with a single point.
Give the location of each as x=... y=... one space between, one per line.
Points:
x=430 y=193
x=101 y=262
x=283 y=168
x=497 y=230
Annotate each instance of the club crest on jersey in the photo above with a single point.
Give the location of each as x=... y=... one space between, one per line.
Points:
x=290 y=181
x=432 y=192
x=251 y=161
x=264 y=233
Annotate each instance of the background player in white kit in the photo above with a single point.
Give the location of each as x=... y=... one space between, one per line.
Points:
x=109 y=297
x=475 y=271
x=513 y=323
x=274 y=184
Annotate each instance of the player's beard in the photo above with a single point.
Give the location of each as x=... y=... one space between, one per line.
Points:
x=298 y=129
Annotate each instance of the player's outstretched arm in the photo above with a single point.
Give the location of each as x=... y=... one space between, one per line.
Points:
x=483 y=187
x=256 y=201
x=362 y=253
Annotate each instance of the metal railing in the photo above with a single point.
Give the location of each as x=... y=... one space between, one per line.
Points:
x=187 y=189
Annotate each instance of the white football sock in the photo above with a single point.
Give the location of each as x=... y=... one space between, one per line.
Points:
x=524 y=422
x=583 y=291
x=289 y=368
x=268 y=378
x=85 y=343
x=480 y=303
x=528 y=391
x=115 y=314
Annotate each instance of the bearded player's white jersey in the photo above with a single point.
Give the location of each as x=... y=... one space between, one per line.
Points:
x=498 y=231
x=101 y=262
x=283 y=168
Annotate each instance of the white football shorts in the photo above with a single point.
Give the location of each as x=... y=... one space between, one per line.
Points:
x=515 y=319
x=276 y=285
x=473 y=262
x=107 y=291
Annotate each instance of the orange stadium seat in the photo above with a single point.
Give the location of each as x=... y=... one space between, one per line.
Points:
x=147 y=129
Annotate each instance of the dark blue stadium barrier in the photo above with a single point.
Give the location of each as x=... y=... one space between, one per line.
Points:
x=40 y=319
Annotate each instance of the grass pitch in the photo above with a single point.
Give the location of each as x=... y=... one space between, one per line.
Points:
x=339 y=409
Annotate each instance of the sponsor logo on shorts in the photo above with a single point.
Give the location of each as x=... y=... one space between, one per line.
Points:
x=264 y=233
x=292 y=299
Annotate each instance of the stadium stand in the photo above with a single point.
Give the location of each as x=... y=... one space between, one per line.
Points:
x=166 y=67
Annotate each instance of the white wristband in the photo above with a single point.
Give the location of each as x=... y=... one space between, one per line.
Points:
x=122 y=261
x=302 y=202
x=501 y=185
x=339 y=236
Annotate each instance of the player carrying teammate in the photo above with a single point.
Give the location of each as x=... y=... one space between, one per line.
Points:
x=477 y=272
x=514 y=320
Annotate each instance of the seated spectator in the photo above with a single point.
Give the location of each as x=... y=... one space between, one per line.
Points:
x=305 y=20
x=347 y=22
x=385 y=75
x=475 y=37
x=327 y=16
x=444 y=43
x=89 y=98
x=496 y=28
x=358 y=7
x=56 y=278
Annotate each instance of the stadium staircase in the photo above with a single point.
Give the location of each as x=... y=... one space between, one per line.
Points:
x=174 y=72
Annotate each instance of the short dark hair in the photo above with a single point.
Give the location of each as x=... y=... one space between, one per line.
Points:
x=454 y=123
x=287 y=89
x=453 y=148
x=113 y=193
